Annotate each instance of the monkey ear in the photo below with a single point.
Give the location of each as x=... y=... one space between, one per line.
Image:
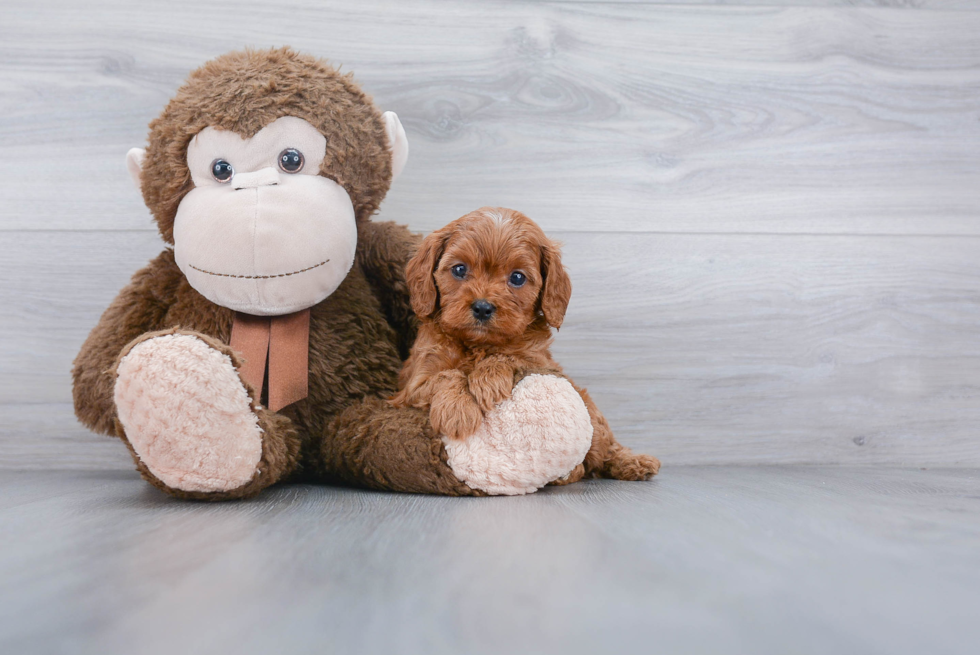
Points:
x=557 y=290
x=134 y=164
x=397 y=141
x=419 y=274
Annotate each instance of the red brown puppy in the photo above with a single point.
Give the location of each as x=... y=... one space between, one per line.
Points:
x=487 y=289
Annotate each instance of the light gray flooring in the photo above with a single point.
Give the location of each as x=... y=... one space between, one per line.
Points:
x=703 y=559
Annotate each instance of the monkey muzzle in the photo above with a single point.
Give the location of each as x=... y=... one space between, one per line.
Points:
x=267 y=243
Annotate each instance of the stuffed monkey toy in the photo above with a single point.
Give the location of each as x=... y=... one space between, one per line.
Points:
x=260 y=345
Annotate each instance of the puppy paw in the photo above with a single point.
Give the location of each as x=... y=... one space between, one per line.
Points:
x=454 y=415
x=627 y=465
x=491 y=383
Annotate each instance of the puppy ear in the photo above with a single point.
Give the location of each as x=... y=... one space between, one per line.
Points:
x=419 y=274
x=557 y=289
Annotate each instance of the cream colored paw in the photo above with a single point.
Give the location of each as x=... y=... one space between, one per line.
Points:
x=541 y=433
x=187 y=414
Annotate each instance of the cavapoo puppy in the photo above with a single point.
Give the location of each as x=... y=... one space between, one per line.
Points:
x=487 y=289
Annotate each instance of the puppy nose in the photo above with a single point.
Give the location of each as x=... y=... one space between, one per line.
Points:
x=482 y=310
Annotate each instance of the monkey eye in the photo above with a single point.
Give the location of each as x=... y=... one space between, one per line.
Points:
x=291 y=160
x=517 y=279
x=221 y=170
x=458 y=271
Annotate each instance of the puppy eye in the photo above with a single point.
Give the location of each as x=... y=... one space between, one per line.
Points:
x=517 y=279
x=291 y=160
x=221 y=170
x=458 y=271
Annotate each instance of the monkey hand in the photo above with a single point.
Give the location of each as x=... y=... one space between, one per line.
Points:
x=187 y=414
x=540 y=434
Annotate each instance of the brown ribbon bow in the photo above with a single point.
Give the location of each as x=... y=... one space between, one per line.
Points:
x=285 y=341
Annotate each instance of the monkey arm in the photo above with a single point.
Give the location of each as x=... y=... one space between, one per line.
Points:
x=375 y=445
x=140 y=307
x=383 y=250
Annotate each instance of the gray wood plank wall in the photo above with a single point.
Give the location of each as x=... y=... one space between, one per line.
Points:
x=770 y=210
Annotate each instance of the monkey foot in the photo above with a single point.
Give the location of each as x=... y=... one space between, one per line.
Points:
x=187 y=414
x=538 y=435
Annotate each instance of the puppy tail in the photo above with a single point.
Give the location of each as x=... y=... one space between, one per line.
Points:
x=623 y=464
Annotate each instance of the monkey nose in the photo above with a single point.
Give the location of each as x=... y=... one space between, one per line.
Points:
x=262 y=177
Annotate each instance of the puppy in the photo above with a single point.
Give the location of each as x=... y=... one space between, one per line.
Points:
x=487 y=289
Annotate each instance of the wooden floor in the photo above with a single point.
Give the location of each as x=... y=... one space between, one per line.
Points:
x=702 y=560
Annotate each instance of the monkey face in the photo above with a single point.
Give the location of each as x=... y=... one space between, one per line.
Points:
x=259 y=171
x=262 y=232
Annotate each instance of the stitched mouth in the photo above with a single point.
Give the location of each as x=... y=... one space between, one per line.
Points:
x=259 y=277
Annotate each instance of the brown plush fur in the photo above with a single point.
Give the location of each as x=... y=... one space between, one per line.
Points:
x=245 y=91
x=461 y=367
x=359 y=335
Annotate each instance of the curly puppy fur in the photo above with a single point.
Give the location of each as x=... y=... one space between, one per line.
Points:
x=482 y=328
x=359 y=335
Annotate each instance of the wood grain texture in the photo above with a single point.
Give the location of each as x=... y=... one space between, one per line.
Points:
x=594 y=116
x=701 y=560
x=770 y=209
x=46 y=436
x=698 y=348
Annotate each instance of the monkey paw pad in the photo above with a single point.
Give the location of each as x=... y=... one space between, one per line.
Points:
x=536 y=436
x=187 y=414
